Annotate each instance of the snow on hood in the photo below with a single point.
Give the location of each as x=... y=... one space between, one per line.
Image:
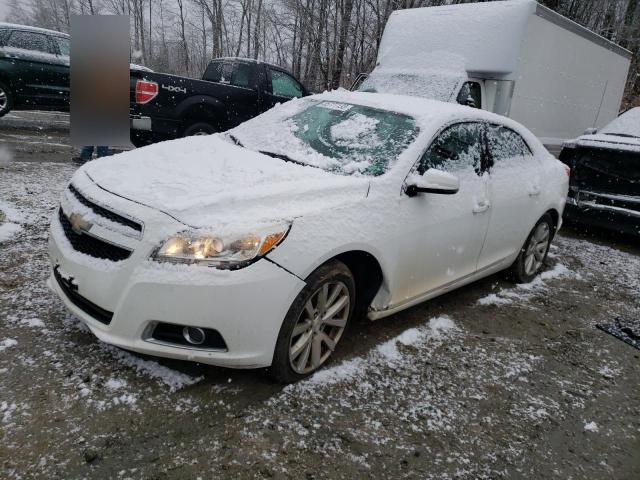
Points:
x=623 y=133
x=627 y=124
x=614 y=142
x=205 y=181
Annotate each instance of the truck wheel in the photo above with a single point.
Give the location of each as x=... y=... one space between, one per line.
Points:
x=315 y=323
x=6 y=99
x=199 y=128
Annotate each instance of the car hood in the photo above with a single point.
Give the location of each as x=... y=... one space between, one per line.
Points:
x=205 y=181
x=609 y=141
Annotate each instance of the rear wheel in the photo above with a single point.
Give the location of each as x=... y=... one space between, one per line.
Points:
x=6 y=99
x=534 y=252
x=315 y=323
x=199 y=128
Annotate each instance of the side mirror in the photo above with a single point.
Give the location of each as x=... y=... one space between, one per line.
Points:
x=433 y=181
x=590 y=131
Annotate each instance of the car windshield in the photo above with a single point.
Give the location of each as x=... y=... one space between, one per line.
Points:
x=338 y=137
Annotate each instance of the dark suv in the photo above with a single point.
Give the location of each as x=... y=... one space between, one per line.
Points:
x=34 y=69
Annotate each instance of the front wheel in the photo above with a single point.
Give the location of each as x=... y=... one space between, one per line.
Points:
x=6 y=99
x=534 y=252
x=315 y=323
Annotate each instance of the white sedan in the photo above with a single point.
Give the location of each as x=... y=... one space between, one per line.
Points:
x=257 y=247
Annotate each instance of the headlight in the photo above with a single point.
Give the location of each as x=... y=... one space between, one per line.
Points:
x=219 y=251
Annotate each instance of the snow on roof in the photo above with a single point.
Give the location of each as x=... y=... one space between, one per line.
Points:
x=487 y=35
x=424 y=110
x=32 y=29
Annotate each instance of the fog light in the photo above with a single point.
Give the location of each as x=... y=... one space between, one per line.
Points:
x=194 y=335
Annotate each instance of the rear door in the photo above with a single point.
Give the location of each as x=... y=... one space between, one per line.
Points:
x=242 y=101
x=32 y=54
x=515 y=176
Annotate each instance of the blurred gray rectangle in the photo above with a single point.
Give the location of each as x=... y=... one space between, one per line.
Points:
x=100 y=80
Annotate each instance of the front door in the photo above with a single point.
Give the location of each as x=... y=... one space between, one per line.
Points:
x=443 y=235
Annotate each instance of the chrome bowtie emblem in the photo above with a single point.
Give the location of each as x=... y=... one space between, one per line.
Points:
x=78 y=223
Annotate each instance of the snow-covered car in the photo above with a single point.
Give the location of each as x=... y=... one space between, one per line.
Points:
x=605 y=175
x=257 y=247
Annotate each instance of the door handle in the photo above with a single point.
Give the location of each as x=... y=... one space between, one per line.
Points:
x=534 y=191
x=482 y=206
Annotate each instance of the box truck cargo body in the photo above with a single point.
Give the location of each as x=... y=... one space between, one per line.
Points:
x=516 y=58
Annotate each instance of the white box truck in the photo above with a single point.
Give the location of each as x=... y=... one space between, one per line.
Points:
x=516 y=58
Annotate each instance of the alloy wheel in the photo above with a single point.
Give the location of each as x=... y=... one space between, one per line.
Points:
x=537 y=249
x=319 y=327
x=3 y=99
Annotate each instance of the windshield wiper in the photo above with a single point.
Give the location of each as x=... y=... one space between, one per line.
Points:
x=235 y=140
x=285 y=158
x=627 y=135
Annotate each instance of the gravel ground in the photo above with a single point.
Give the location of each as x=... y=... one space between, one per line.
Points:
x=491 y=381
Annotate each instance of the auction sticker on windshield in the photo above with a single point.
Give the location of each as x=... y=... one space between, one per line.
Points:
x=343 y=107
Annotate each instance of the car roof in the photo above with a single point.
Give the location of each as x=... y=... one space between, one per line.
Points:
x=27 y=28
x=424 y=110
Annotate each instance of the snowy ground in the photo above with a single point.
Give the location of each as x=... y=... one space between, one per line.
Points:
x=491 y=381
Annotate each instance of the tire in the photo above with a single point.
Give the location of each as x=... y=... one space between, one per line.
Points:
x=534 y=251
x=6 y=99
x=303 y=342
x=199 y=128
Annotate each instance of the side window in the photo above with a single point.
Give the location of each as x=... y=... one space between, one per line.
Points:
x=29 y=41
x=63 y=44
x=284 y=85
x=505 y=144
x=470 y=95
x=241 y=76
x=220 y=72
x=457 y=148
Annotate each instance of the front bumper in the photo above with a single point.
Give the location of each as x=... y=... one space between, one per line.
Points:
x=245 y=306
x=610 y=218
x=158 y=126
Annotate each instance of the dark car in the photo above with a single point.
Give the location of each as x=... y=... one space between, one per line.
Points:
x=605 y=176
x=34 y=69
x=232 y=90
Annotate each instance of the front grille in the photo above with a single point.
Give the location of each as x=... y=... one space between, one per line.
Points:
x=103 y=212
x=88 y=307
x=89 y=245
